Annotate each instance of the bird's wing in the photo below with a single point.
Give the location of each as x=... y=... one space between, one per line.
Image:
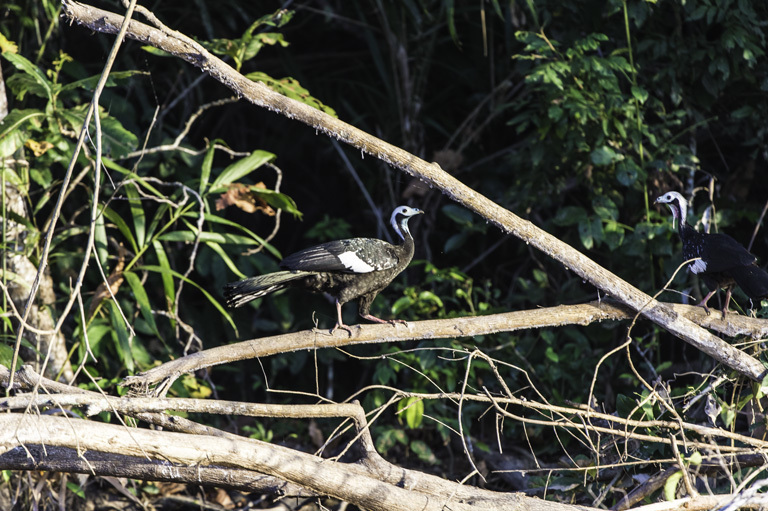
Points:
x=721 y=253
x=356 y=255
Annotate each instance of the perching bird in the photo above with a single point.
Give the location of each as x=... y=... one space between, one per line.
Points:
x=722 y=261
x=357 y=268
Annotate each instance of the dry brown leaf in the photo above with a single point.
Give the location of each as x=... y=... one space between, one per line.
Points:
x=240 y=195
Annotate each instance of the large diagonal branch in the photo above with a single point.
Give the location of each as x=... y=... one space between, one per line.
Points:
x=579 y=314
x=261 y=95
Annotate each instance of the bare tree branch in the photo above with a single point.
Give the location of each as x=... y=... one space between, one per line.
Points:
x=261 y=95
x=326 y=477
x=581 y=314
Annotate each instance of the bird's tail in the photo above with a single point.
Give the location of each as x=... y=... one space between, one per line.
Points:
x=243 y=291
x=752 y=279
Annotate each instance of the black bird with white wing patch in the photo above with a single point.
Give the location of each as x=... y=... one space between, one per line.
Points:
x=722 y=262
x=357 y=268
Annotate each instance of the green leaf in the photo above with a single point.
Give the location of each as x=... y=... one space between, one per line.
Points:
x=214 y=302
x=670 y=487
x=205 y=169
x=585 y=234
x=121 y=337
x=116 y=219
x=627 y=172
x=412 y=409
x=461 y=216
x=552 y=355
x=605 y=207
x=604 y=155
x=168 y=285
x=401 y=304
x=389 y=438
x=640 y=94
x=205 y=237
x=101 y=243
x=137 y=213
x=45 y=88
x=227 y=260
x=115 y=139
x=12 y=135
x=258 y=239
x=570 y=215
x=278 y=201
x=290 y=87
x=243 y=167
x=114 y=79
x=423 y=451
x=142 y=299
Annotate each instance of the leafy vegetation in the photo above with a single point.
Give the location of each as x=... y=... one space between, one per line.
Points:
x=575 y=115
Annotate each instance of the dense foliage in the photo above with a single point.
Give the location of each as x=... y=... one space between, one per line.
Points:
x=573 y=114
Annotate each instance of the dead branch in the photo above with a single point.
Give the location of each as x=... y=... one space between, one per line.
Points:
x=65 y=459
x=581 y=314
x=168 y=449
x=185 y=48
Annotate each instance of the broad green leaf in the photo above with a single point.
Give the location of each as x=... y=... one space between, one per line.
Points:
x=142 y=299
x=223 y=221
x=413 y=410
x=461 y=216
x=121 y=337
x=137 y=213
x=114 y=79
x=585 y=234
x=227 y=260
x=45 y=88
x=214 y=302
x=401 y=304
x=640 y=94
x=570 y=215
x=205 y=169
x=627 y=172
x=278 y=201
x=670 y=487
x=102 y=243
x=116 y=219
x=424 y=452
x=605 y=207
x=205 y=237
x=291 y=88
x=115 y=139
x=12 y=135
x=169 y=287
x=242 y=168
x=604 y=155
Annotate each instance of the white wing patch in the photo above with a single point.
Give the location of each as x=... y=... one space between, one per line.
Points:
x=698 y=266
x=352 y=262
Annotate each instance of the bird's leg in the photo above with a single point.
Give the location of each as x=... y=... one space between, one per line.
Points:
x=727 y=300
x=364 y=309
x=703 y=303
x=339 y=321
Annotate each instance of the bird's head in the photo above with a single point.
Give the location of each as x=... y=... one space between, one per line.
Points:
x=399 y=219
x=677 y=204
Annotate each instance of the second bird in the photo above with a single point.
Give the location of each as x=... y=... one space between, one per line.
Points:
x=357 y=268
x=721 y=261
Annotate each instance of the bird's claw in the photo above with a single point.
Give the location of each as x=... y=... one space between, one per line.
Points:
x=343 y=327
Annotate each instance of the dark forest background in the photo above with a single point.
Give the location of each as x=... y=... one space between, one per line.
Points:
x=573 y=114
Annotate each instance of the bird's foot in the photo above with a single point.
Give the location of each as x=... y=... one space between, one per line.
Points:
x=343 y=327
x=723 y=312
x=371 y=317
